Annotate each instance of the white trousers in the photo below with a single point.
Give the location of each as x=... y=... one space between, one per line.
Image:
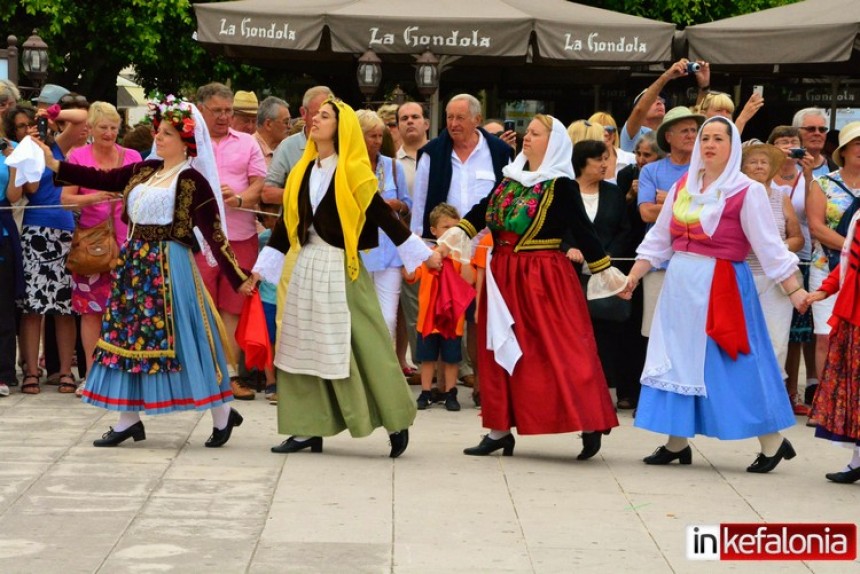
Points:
x=777 y=309
x=387 y=283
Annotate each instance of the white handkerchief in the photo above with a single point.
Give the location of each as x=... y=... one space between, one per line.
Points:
x=29 y=159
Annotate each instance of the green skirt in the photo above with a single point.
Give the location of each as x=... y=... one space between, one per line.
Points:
x=375 y=394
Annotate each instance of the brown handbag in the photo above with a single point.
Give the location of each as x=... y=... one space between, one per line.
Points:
x=94 y=249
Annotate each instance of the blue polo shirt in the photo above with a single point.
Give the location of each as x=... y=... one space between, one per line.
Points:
x=49 y=194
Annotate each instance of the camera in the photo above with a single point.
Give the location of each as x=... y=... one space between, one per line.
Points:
x=510 y=125
x=797 y=152
x=3 y=144
x=42 y=125
x=693 y=67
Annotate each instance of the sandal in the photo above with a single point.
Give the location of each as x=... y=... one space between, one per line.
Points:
x=66 y=384
x=31 y=388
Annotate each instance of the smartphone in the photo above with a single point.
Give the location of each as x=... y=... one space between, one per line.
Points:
x=42 y=125
x=758 y=90
x=510 y=125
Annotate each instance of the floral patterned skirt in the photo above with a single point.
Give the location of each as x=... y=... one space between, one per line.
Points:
x=836 y=407
x=162 y=343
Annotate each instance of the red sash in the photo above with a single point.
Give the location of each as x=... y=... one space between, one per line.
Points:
x=726 y=324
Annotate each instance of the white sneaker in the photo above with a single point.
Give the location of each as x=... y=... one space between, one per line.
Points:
x=4 y=390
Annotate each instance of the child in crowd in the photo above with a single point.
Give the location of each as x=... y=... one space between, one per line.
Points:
x=434 y=346
x=269 y=294
x=479 y=262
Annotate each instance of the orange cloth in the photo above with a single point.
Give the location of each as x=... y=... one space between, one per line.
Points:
x=726 y=324
x=427 y=294
x=479 y=259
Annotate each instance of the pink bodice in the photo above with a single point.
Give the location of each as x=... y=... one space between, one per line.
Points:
x=728 y=241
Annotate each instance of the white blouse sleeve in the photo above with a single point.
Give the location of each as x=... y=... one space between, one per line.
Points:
x=413 y=252
x=657 y=245
x=777 y=262
x=270 y=264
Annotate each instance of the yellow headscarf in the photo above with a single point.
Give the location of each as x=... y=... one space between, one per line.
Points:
x=354 y=184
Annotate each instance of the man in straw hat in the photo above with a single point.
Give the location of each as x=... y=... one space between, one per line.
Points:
x=245 y=108
x=676 y=136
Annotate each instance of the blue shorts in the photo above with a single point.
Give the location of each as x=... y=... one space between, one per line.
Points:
x=470 y=312
x=271 y=310
x=431 y=347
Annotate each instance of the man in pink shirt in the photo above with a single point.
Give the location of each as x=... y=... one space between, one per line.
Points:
x=242 y=169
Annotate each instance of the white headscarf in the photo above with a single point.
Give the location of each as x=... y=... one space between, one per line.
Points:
x=730 y=182
x=556 y=162
x=204 y=163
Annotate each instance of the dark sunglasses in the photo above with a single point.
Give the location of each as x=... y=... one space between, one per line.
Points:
x=609 y=129
x=813 y=129
x=73 y=100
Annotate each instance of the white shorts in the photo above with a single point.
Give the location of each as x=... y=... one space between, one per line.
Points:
x=821 y=310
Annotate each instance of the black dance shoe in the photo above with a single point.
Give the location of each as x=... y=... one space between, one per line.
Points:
x=293 y=445
x=113 y=438
x=488 y=445
x=845 y=477
x=220 y=437
x=664 y=456
x=591 y=444
x=764 y=463
x=399 y=442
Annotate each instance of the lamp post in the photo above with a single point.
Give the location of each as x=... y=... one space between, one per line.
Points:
x=34 y=59
x=427 y=74
x=369 y=74
x=398 y=96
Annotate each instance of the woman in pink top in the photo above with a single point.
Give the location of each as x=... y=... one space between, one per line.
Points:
x=90 y=293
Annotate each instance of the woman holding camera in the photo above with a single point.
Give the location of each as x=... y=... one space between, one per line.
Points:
x=46 y=238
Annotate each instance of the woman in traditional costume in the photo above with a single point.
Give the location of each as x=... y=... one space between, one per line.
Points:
x=836 y=407
x=162 y=345
x=337 y=369
x=710 y=367
x=537 y=356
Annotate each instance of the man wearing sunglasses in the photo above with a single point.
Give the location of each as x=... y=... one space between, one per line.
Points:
x=812 y=123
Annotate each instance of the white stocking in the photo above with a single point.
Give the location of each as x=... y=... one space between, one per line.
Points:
x=676 y=443
x=126 y=419
x=220 y=416
x=770 y=443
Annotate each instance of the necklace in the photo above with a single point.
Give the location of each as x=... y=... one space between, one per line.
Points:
x=852 y=182
x=162 y=176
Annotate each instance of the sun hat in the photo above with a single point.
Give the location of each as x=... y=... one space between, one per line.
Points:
x=775 y=155
x=51 y=94
x=848 y=133
x=245 y=103
x=674 y=116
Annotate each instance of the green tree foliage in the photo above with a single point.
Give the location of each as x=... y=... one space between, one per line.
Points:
x=91 y=41
x=684 y=13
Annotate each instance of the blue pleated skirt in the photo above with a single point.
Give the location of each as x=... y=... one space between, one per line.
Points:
x=745 y=397
x=201 y=382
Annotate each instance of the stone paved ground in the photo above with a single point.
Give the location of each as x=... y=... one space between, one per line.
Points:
x=170 y=505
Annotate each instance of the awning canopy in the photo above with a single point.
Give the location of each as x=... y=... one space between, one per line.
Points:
x=809 y=32
x=529 y=30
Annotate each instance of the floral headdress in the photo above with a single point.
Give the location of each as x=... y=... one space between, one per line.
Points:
x=177 y=111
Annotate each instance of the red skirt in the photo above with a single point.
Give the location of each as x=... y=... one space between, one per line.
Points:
x=836 y=407
x=558 y=384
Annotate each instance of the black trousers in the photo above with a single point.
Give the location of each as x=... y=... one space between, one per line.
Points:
x=8 y=313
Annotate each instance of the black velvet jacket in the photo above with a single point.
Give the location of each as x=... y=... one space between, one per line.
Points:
x=326 y=221
x=195 y=207
x=560 y=212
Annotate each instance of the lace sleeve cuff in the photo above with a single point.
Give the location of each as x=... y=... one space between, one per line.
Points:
x=413 y=252
x=458 y=241
x=270 y=264
x=606 y=283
